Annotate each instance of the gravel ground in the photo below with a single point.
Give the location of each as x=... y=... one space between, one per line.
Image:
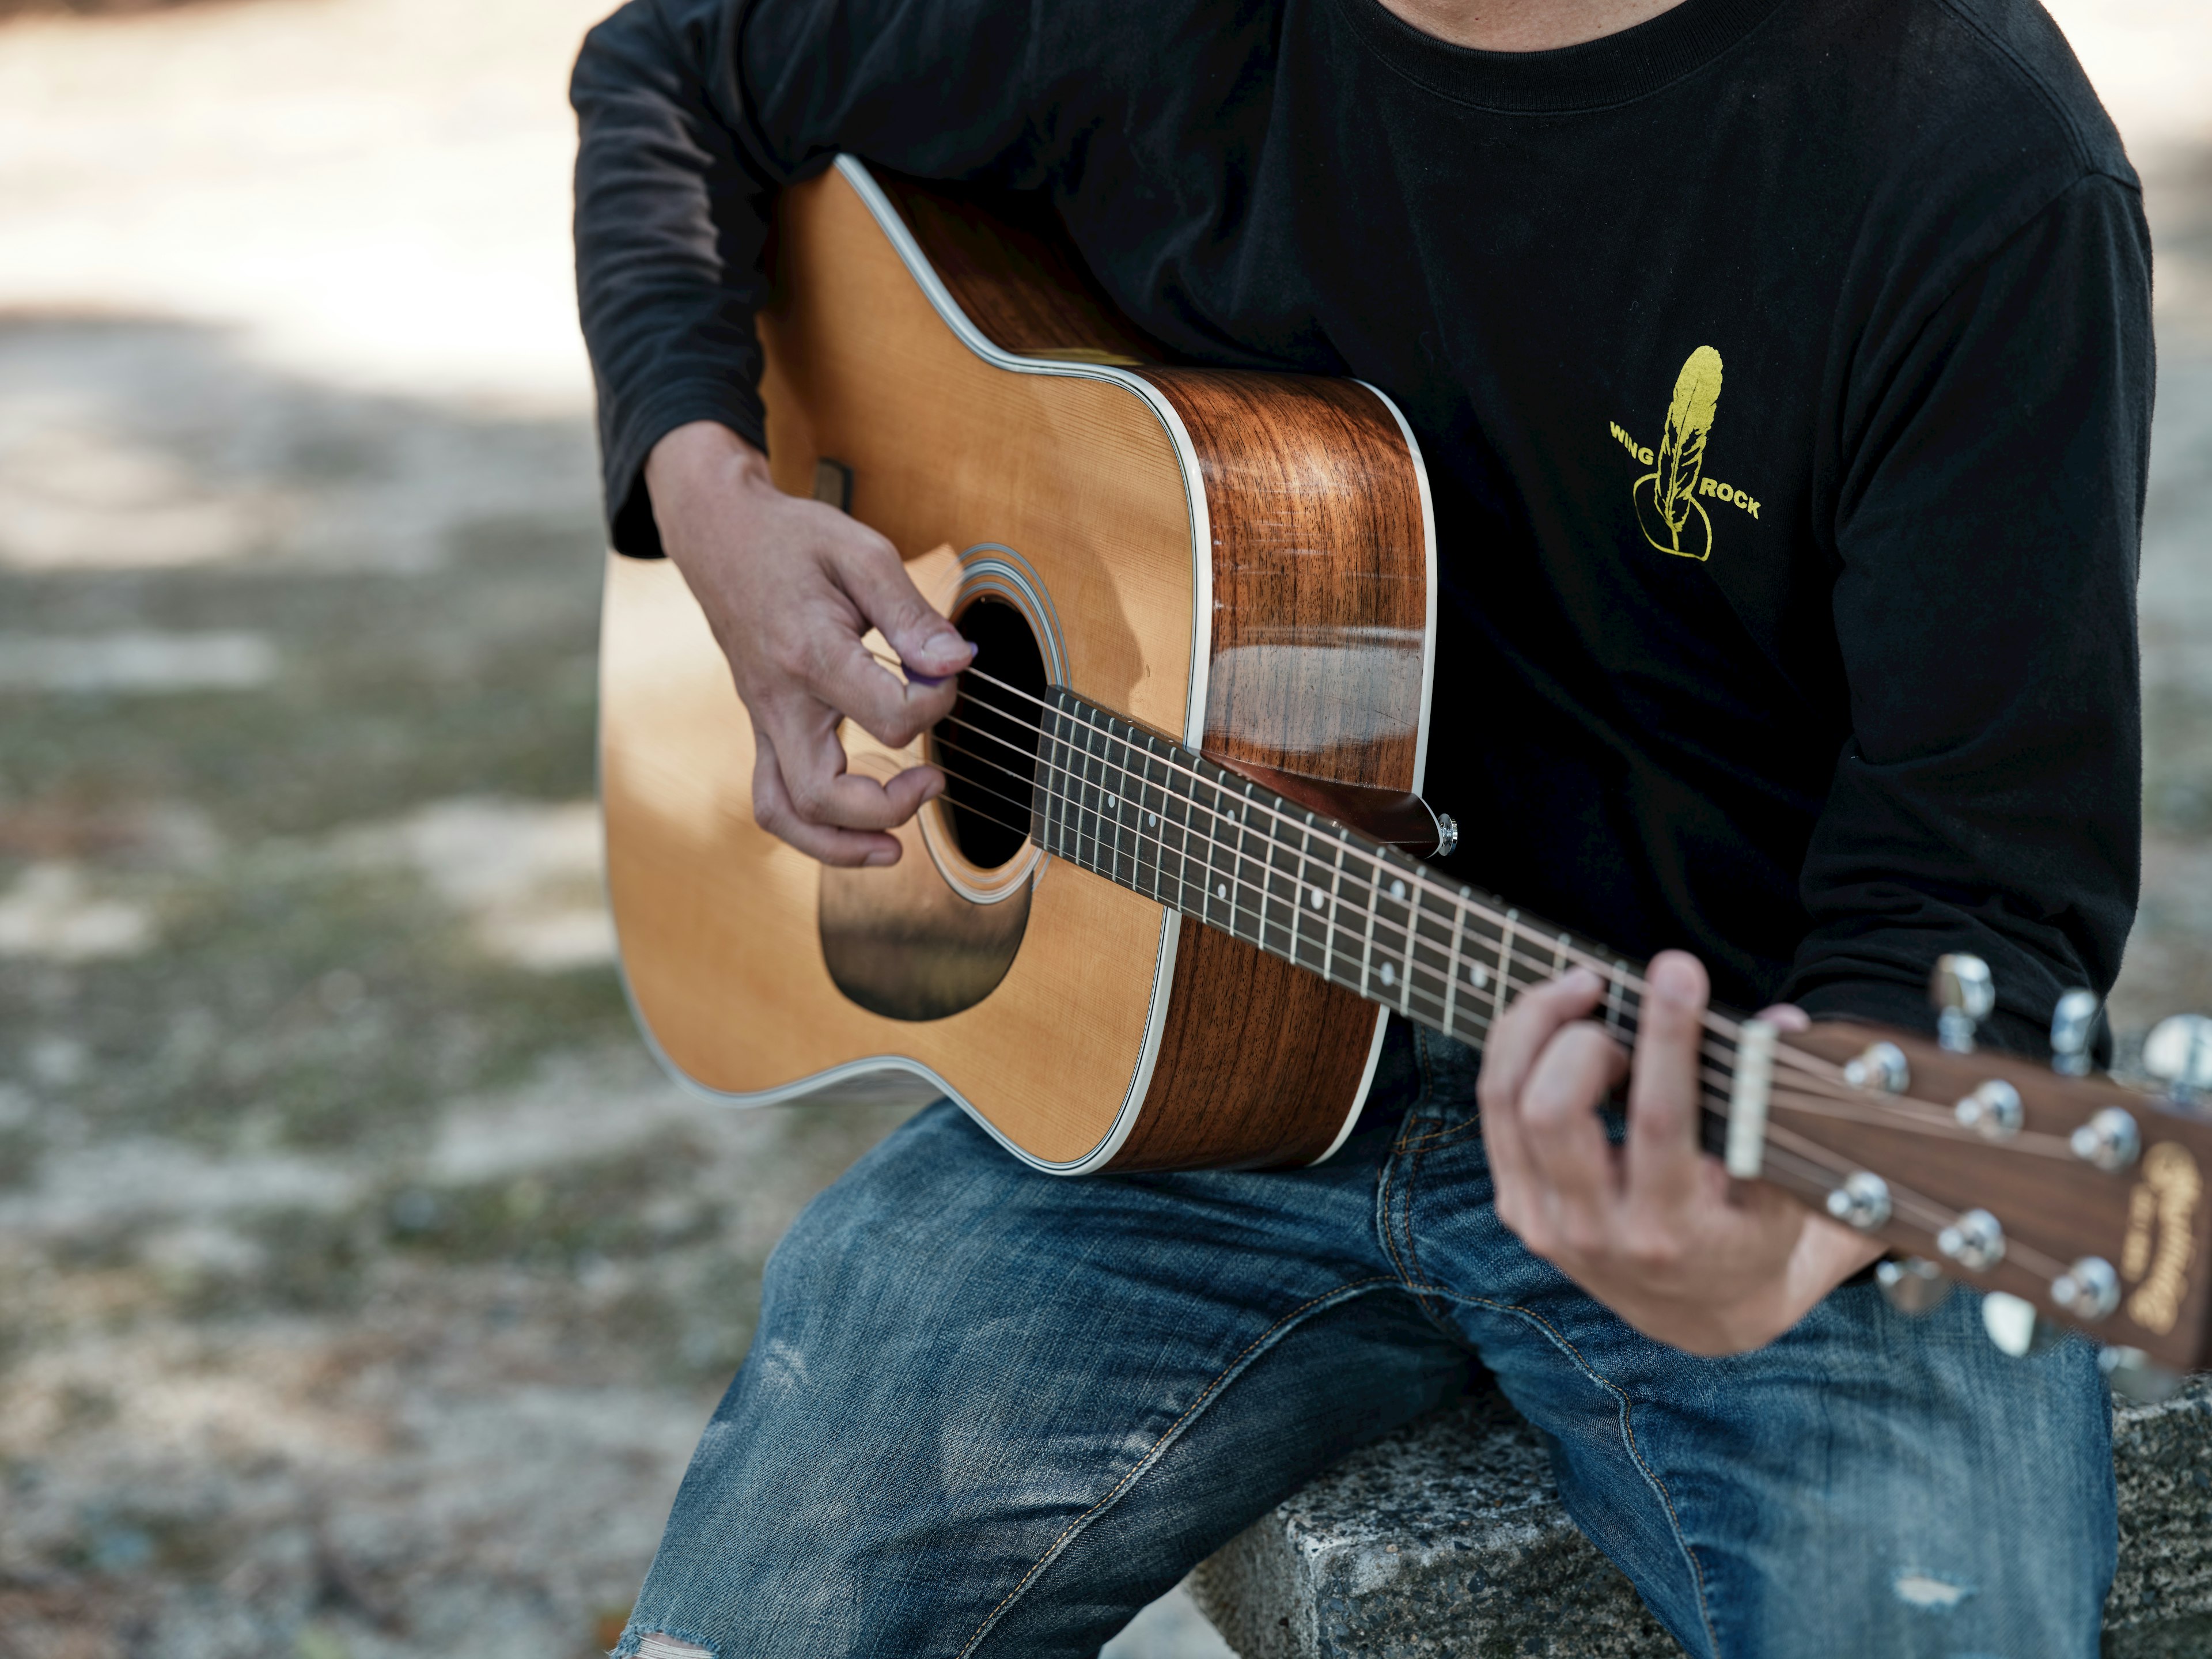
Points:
x=362 y=1287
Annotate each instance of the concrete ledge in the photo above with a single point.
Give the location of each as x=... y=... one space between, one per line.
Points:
x=1450 y=1539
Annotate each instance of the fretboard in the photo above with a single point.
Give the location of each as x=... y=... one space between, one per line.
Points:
x=1152 y=816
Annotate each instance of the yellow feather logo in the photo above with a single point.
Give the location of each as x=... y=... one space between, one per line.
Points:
x=1665 y=513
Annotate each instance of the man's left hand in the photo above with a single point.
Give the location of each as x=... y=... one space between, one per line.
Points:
x=1655 y=1229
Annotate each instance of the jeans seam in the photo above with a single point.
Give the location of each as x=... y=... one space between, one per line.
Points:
x=1439 y=1136
x=1627 y=1434
x=1407 y=1272
x=1206 y=1395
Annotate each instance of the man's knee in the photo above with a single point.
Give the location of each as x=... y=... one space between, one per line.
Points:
x=657 y=1646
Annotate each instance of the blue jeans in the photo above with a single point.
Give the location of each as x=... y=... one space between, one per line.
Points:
x=991 y=1410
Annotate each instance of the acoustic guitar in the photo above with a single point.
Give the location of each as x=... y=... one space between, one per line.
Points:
x=1182 y=871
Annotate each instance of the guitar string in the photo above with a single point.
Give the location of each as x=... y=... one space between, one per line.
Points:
x=1848 y=1099
x=1786 y=1151
x=1344 y=841
x=1713 y=1082
x=1854 y=1106
x=1437 y=1011
x=1623 y=983
x=1416 y=970
x=1823 y=1166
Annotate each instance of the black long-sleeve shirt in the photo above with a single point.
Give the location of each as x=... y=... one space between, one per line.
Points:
x=1782 y=368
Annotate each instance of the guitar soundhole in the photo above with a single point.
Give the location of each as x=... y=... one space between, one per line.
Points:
x=987 y=745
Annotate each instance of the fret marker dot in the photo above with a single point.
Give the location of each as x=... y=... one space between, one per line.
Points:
x=1477 y=976
x=1111 y=804
x=1152 y=818
x=1389 y=974
x=1397 y=890
x=1315 y=891
x=1222 y=891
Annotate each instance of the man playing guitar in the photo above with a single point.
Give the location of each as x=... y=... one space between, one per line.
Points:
x=1865 y=693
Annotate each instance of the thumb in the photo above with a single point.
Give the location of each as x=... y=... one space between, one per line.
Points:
x=930 y=647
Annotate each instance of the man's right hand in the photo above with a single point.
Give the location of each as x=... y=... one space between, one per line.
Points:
x=789 y=586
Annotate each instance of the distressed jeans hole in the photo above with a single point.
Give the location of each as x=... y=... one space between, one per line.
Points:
x=667 y=1647
x=1918 y=1590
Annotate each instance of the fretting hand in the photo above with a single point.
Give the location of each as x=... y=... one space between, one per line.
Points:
x=790 y=588
x=1655 y=1229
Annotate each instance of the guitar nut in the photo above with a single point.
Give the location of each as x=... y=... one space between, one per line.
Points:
x=1993 y=1111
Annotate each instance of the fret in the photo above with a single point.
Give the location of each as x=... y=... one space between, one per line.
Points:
x=1146 y=846
x=1451 y=968
x=1368 y=937
x=1117 y=803
x=1051 y=787
x=1183 y=804
x=1272 y=892
x=1503 y=971
x=1153 y=819
x=1079 y=790
x=1261 y=829
x=1431 y=950
x=1386 y=910
x=1253 y=868
x=1612 y=998
x=1113 y=815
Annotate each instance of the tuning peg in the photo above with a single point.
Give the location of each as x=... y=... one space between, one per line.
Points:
x=1912 y=1286
x=1963 y=994
x=2073 y=1027
x=2178 y=1054
x=2137 y=1378
x=1879 y=1066
x=1975 y=1241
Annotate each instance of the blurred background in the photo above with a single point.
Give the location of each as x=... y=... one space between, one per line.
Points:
x=363 y=1286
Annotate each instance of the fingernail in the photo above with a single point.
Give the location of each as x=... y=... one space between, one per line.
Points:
x=880 y=857
x=948 y=648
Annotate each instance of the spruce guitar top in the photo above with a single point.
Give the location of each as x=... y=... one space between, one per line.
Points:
x=1177 y=883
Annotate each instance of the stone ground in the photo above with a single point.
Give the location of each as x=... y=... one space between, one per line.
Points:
x=363 y=1286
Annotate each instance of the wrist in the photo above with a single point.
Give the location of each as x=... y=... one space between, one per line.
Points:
x=695 y=475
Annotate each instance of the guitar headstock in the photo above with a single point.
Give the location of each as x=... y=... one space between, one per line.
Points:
x=2081 y=1196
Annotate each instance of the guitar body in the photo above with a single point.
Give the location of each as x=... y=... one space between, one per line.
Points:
x=1242 y=562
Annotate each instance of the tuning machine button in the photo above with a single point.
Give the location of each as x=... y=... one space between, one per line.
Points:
x=2110 y=1140
x=2089 y=1289
x=2015 y=1325
x=1993 y=1111
x=1911 y=1285
x=2178 y=1054
x=2136 y=1377
x=1975 y=1241
x=2072 y=1028
x=1862 y=1201
x=1963 y=994
x=1879 y=1066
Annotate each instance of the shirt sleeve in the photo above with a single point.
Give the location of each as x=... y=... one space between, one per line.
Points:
x=1988 y=521
x=693 y=114
x=672 y=218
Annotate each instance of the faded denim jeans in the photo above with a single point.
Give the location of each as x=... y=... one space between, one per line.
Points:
x=989 y=1411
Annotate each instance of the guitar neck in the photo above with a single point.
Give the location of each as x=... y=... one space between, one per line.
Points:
x=1150 y=816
